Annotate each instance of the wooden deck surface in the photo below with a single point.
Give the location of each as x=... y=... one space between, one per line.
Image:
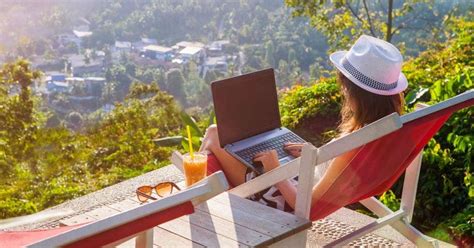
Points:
x=224 y=221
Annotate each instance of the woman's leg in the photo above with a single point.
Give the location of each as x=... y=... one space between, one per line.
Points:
x=233 y=168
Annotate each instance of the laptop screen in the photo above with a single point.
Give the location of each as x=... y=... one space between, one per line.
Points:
x=245 y=106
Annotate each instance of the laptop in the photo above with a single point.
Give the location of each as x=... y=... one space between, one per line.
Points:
x=248 y=117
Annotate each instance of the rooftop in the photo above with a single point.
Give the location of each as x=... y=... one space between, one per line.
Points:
x=123 y=44
x=158 y=49
x=217 y=45
x=190 y=44
x=95 y=78
x=190 y=50
x=149 y=41
x=82 y=34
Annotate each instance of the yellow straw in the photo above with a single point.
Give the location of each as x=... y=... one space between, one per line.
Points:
x=190 y=143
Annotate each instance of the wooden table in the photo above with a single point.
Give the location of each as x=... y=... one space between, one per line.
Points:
x=224 y=221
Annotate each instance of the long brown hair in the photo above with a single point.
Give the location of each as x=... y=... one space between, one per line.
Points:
x=361 y=107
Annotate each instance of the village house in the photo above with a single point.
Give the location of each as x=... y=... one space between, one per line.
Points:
x=139 y=46
x=94 y=85
x=183 y=44
x=123 y=46
x=192 y=53
x=216 y=48
x=80 y=65
x=57 y=83
x=160 y=53
x=216 y=63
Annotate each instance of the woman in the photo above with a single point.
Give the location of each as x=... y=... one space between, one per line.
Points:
x=371 y=83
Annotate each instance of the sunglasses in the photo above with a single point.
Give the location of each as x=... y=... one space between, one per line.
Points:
x=162 y=189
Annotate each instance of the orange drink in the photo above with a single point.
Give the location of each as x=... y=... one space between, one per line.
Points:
x=194 y=168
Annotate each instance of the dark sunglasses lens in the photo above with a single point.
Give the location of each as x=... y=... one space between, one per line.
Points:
x=145 y=190
x=164 y=189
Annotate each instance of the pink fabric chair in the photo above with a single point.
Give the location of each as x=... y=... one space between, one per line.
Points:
x=385 y=150
x=214 y=166
x=137 y=222
x=21 y=239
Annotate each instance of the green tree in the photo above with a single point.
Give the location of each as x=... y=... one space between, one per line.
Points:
x=175 y=85
x=340 y=20
x=283 y=74
x=269 y=54
x=17 y=118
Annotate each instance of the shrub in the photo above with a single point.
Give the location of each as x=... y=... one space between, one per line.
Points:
x=301 y=103
x=446 y=185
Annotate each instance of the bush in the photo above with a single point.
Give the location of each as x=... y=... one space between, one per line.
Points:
x=446 y=185
x=461 y=226
x=61 y=164
x=12 y=207
x=301 y=103
x=312 y=112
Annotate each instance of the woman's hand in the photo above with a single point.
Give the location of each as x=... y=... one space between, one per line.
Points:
x=269 y=159
x=294 y=149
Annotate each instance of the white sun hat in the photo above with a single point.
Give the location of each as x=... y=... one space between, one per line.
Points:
x=372 y=64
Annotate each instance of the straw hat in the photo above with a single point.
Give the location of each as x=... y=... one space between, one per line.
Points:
x=372 y=64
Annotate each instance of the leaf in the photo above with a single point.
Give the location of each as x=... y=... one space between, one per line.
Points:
x=188 y=120
x=211 y=120
x=471 y=191
x=168 y=141
x=414 y=95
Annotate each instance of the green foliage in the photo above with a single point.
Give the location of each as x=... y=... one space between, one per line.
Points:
x=446 y=185
x=462 y=224
x=197 y=130
x=43 y=166
x=300 y=103
x=390 y=200
x=175 y=85
x=12 y=207
x=341 y=20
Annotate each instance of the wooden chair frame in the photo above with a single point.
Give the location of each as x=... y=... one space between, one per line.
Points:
x=201 y=192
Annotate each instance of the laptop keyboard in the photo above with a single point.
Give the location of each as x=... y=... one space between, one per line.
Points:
x=272 y=144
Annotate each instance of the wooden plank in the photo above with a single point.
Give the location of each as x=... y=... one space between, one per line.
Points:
x=102 y=212
x=198 y=234
x=248 y=206
x=254 y=221
x=227 y=228
x=305 y=181
x=164 y=238
x=242 y=218
x=125 y=205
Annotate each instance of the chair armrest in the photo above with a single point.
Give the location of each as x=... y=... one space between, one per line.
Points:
x=202 y=191
x=268 y=179
x=177 y=160
x=365 y=135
